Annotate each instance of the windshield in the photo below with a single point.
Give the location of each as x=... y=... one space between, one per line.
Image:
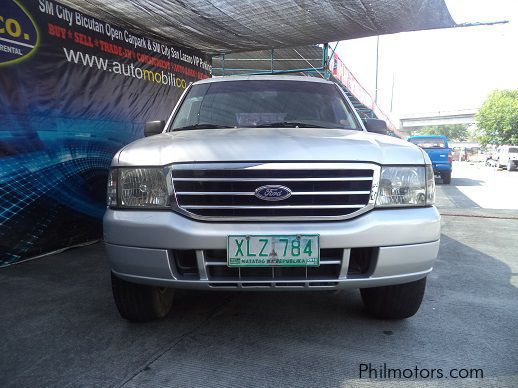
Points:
x=262 y=103
x=513 y=150
x=429 y=142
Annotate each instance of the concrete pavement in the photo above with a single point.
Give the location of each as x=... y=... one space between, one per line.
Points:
x=60 y=327
x=476 y=186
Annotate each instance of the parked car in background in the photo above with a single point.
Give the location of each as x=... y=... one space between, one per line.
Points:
x=507 y=156
x=492 y=158
x=459 y=154
x=440 y=154
x=465 y=151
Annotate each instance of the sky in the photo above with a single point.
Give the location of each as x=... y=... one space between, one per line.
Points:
x=441 y=70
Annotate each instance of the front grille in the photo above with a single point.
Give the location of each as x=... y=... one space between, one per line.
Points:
x=210 y=266
x=318 y=190
x=217 y=269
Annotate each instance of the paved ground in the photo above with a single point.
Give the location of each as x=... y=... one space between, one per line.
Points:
x=476 y=186
x=60 y=328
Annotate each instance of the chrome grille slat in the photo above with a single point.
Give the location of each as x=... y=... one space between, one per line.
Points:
x=215 y=266
x=339 y=179
x=224 y=263
x=275 y=207
x=319 y=191
x=252 y=193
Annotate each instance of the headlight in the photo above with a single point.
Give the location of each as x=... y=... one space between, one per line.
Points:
x=111 y=194
x=139 y=188
x=406 y=186
x=430 y=186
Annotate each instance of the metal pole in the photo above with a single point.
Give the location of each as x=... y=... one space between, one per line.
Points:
x=377 y=60
x=305 y=70
x=392 y=91
x=223 y=63
x=271 y=63
x=325 y=60
x=333 y=52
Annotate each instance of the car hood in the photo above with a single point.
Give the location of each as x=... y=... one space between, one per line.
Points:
x=268 y=144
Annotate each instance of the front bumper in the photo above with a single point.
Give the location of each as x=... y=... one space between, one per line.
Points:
x=441 y=167
x=140 y=246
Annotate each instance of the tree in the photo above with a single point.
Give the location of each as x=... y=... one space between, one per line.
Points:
x=454 y=132
x=497 y=119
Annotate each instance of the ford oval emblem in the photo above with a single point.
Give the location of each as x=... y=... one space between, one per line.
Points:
x=273 y=193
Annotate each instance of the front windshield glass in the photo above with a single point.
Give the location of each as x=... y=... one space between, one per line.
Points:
x=263 y=103
x=429 y=142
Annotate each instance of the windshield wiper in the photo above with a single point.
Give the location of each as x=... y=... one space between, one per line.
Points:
x=288 y=124
x=201 y=126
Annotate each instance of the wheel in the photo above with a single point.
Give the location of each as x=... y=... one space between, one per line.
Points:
x=141 y=303
x=394 y=302
x=510 y=166
x=446 y=177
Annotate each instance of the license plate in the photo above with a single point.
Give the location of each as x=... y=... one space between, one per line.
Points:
x=273 y=251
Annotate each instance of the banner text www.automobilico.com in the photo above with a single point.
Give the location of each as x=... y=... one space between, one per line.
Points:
x=128 y=70
x=385 y=372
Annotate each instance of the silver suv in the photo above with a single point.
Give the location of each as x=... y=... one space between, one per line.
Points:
x=269 y=183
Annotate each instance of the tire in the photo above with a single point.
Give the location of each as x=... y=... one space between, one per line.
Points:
x=141 y=303
x=446 y=177
x=394 y=302
x=510 y=166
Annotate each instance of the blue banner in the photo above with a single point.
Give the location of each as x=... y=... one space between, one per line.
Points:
x=73 y=90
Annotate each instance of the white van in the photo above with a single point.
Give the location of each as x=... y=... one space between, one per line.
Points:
x=507 y=156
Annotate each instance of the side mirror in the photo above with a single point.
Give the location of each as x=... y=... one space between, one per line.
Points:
x=375 y=126
x=153 y=128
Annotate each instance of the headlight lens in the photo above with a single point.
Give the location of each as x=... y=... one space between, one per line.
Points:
x=139 y=188
x=405 y=186
x=430 y=186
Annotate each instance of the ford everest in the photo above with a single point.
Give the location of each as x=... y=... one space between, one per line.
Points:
x=269 y=183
